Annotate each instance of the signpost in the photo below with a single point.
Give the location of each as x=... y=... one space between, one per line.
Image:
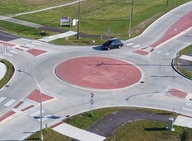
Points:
x=91 y=102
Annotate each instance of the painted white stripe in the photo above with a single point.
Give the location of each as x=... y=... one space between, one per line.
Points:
x=167 y=53
x=186 y=57
x=129 y=44
x=36 y=113
x=14 y=52
x=189 y=103
x=187 y=109
x=159 y=52
x=2 y=99
x=135 y=46
x=8 y=54
x=9 y=103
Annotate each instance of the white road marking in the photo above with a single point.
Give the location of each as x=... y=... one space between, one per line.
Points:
x=129 y=44
x=187 y=109
x=9 y=103
x=135 y=46
x=189 y=103
x=167 y=53
x=36 y=113
x=159 y=52
x=2 y=99
x=14 y=52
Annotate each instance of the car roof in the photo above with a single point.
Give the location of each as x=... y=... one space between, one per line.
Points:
x=114 y=39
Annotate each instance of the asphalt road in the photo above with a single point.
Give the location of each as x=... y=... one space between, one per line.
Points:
x=5 y=36
x=158 y=77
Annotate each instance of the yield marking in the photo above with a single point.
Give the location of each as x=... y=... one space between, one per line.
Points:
x=9 y=103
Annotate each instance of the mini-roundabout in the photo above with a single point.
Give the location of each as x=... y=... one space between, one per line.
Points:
x=98 y=72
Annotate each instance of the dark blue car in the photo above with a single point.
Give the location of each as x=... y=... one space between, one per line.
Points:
x=112 y=43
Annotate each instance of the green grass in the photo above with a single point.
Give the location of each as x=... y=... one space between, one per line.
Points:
x=149 y=130
x=97 y=16
x=184 y=51
x=9 y=73
x=82 y=41
x=9 y=7
x=84 y=120
x=23 y=31
x=136 y=130
x=49 y=135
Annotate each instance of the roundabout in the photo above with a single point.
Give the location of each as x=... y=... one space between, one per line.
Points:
x=98 y=72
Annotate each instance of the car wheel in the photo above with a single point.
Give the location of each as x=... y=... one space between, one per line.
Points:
x=120 y=46
x=108 y=48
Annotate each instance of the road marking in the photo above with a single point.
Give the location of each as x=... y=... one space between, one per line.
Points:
x=129 y=44
x=14 y=52
x=9 y=103
x=8 y=54
x=187 y=109
x=36 y=113
x=135 y=46
x=189 y=103
x=159 y=52
x=167 y=53
x=2 y=99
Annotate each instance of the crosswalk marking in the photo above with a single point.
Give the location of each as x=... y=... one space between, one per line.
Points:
x=9 y=103
x=167 y=53
x=159 y=52
x=2 y=99
x=36 y=113
x=187 y=109
x=189 y=103
x=129 y=44
x=135 y=46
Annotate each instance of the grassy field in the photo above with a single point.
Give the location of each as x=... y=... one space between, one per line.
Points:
x=10 y=7
x=103 y=18
x=98 y=16
x=9 y=73
x=136 y=130
x=150 y=130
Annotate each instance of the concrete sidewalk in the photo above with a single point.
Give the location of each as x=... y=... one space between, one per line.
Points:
x=58 y=36
x=3 y=70
x=183 y=121
x=77 y=133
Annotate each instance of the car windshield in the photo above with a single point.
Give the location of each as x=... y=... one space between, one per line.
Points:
x=107 y=43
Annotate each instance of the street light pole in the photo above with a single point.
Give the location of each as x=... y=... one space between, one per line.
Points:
x=41 y=134
x=78 y=27
x=131 y=17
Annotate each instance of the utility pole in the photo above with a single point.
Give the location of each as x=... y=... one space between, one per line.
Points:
x=131 y=17
x=78 y=27
x=167 y=2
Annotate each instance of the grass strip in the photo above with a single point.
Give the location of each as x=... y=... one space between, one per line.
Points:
x=9 y=73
